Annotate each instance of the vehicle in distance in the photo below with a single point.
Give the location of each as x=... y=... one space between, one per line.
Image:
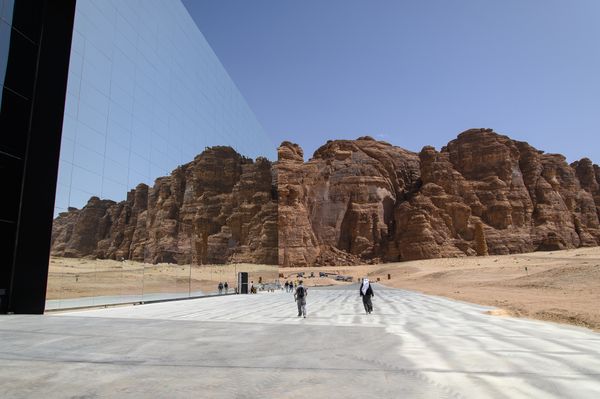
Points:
x=325 y=274
x=343 y=278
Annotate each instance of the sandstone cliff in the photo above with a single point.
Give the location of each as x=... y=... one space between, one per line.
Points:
x=219 y=208
x=354 y=201
x=368 y=201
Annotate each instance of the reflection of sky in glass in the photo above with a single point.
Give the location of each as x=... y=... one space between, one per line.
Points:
x=145 y=93
x=6 y=11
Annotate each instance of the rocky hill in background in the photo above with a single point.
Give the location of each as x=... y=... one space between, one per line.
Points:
x=366 y=201
x=219 y=208
x=355 y=201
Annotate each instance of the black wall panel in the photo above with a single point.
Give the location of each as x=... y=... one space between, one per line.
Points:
x=31 y=116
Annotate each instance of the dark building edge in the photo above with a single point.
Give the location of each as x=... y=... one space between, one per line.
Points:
x=40 y=43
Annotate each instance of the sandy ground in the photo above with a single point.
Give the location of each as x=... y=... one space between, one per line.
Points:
x=76 y=278
x=560 y=286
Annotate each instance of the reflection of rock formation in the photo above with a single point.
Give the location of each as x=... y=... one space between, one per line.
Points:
x=219 y=208
x=367 y=201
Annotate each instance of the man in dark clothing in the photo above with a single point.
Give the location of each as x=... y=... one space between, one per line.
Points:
x=366 y=291
x=300 y=297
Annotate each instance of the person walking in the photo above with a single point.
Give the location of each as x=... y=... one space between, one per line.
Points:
x=300 y=297
x=366 y=292
x=220 y=287
x=286 y=286
x=226 y=286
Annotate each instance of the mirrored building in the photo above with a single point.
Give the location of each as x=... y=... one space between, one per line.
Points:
x=145 y=94
x=164 y=185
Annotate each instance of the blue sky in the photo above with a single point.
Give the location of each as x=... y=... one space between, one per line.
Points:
x=414 y=73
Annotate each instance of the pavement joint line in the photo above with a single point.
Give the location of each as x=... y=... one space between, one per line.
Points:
x=387 y=368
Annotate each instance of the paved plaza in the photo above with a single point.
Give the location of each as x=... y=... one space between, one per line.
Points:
x=250 y=346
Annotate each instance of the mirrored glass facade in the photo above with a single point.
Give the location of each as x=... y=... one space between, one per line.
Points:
x=165 y=185
x=6 y=11
x=146 y=93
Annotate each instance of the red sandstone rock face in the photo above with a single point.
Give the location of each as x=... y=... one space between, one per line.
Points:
x=589 y=178
x=365 y=201
x=220 y=208
x=341 y=200
x=356 y=201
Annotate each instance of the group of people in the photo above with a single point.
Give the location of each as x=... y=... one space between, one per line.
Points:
x=301 y=292
x=222 y=287
x=290 y=286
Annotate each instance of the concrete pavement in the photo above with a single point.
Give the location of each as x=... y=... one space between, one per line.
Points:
x=412 y=346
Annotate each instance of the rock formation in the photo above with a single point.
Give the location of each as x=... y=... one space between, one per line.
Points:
x=368 y=201
x=219 y=208
x=355 y=201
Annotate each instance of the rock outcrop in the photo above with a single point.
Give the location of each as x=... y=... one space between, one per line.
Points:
x=219 y=208
x=368 y=201
x=354 y=202
x=343 y=199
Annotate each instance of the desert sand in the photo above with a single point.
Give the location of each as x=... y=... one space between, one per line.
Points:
x=77 y=277
x=559 y=286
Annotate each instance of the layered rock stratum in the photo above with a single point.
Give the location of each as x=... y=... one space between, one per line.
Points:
x=219 y=208
x=354 y=202
x=366 y=201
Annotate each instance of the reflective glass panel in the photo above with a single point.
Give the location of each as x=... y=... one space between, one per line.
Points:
x=161 y=193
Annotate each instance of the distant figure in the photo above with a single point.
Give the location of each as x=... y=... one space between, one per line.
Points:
x=251 y=287
x=300 y=297
x=287 y=286
x=220 y=286
x=226 y=286
x=366 y=291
